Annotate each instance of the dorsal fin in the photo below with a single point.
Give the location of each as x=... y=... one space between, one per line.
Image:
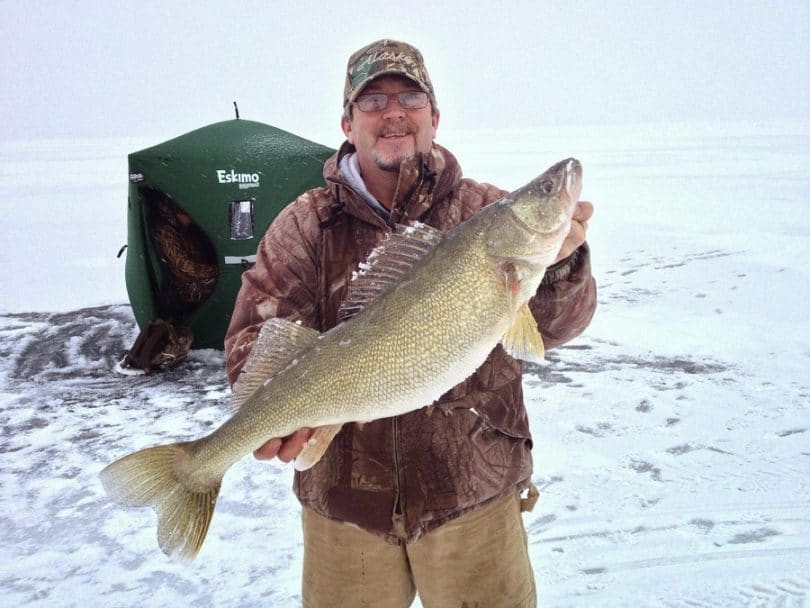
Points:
x=278 y=343
x=387 y=264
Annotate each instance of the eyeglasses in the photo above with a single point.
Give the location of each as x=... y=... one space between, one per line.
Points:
x=377 y=102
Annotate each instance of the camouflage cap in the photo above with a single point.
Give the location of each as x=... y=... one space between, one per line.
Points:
x=385 y=57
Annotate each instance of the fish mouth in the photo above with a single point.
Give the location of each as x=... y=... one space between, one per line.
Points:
x=572 y=184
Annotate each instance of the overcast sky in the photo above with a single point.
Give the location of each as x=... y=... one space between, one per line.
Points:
x=76 y=69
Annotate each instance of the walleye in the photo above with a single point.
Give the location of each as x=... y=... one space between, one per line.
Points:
x=420 y=316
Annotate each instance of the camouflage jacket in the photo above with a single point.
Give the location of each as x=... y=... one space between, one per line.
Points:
x=401 y=477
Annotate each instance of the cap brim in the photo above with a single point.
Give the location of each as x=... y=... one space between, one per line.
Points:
x=359 y=88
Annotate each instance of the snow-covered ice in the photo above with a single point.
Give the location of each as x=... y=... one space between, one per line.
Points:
x=672 y=439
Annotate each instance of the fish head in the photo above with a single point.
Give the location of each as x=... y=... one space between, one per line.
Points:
x=536 y=218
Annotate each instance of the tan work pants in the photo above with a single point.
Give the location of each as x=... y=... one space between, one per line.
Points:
x=479 y=560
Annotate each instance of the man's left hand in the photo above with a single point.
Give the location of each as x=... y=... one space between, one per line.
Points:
x=579 y=229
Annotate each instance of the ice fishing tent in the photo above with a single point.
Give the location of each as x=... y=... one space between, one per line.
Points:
x=198 y=206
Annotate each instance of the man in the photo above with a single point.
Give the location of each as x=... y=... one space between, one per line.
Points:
x=428 y=501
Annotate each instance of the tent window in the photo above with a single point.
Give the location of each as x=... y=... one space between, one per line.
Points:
x=241 y=213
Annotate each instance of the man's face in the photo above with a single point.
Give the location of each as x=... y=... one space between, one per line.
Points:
x=385 y=138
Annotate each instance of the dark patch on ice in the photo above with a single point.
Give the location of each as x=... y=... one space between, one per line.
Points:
x=644 y=407
x=558 y=378
x=636 y=294
x=576 y=347
x=60 y=346
x=542 y=523
x=602 y=429
x=59 y=372
x=680 y=450
x=791 y=432
x=86 y=434
x=607 y=533
x=690 y=366
x=640 y=466
x=559 y=363
x=594 y=570
x=755 y=536
x=542 y=483
x=75 y=346
x=706 y=255
x=705 y=525
x=673 y=421
x=34 y=423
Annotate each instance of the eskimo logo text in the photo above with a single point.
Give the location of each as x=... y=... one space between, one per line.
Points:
x=245 y=180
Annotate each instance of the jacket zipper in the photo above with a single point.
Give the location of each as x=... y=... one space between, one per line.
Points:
x=398 y=506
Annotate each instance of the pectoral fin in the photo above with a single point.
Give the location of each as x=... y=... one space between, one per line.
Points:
x=523 y=340
x=315 y=448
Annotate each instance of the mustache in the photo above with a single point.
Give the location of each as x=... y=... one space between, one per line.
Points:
x=399 y=128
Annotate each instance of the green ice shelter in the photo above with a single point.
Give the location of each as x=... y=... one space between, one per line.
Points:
x=198 y=206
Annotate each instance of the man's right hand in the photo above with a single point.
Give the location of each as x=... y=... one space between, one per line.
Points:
x=286 y=448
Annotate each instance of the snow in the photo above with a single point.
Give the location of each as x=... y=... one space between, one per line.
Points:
x=671 y=439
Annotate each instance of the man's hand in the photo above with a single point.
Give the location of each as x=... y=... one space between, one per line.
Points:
x=286 y=448
x=579 y=228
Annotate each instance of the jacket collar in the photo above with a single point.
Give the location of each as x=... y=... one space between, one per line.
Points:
x=422 y=179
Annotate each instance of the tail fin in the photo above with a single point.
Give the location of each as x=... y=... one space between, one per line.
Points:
x=154 y=477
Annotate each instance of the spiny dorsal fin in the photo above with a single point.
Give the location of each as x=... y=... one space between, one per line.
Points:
x=278 y=343
x=523 y=340
x=315 y=448
x=387 y=264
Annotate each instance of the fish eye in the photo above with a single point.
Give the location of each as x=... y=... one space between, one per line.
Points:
x=547 y=186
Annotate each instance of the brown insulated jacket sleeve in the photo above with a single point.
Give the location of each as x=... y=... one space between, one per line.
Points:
x=566 y=300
